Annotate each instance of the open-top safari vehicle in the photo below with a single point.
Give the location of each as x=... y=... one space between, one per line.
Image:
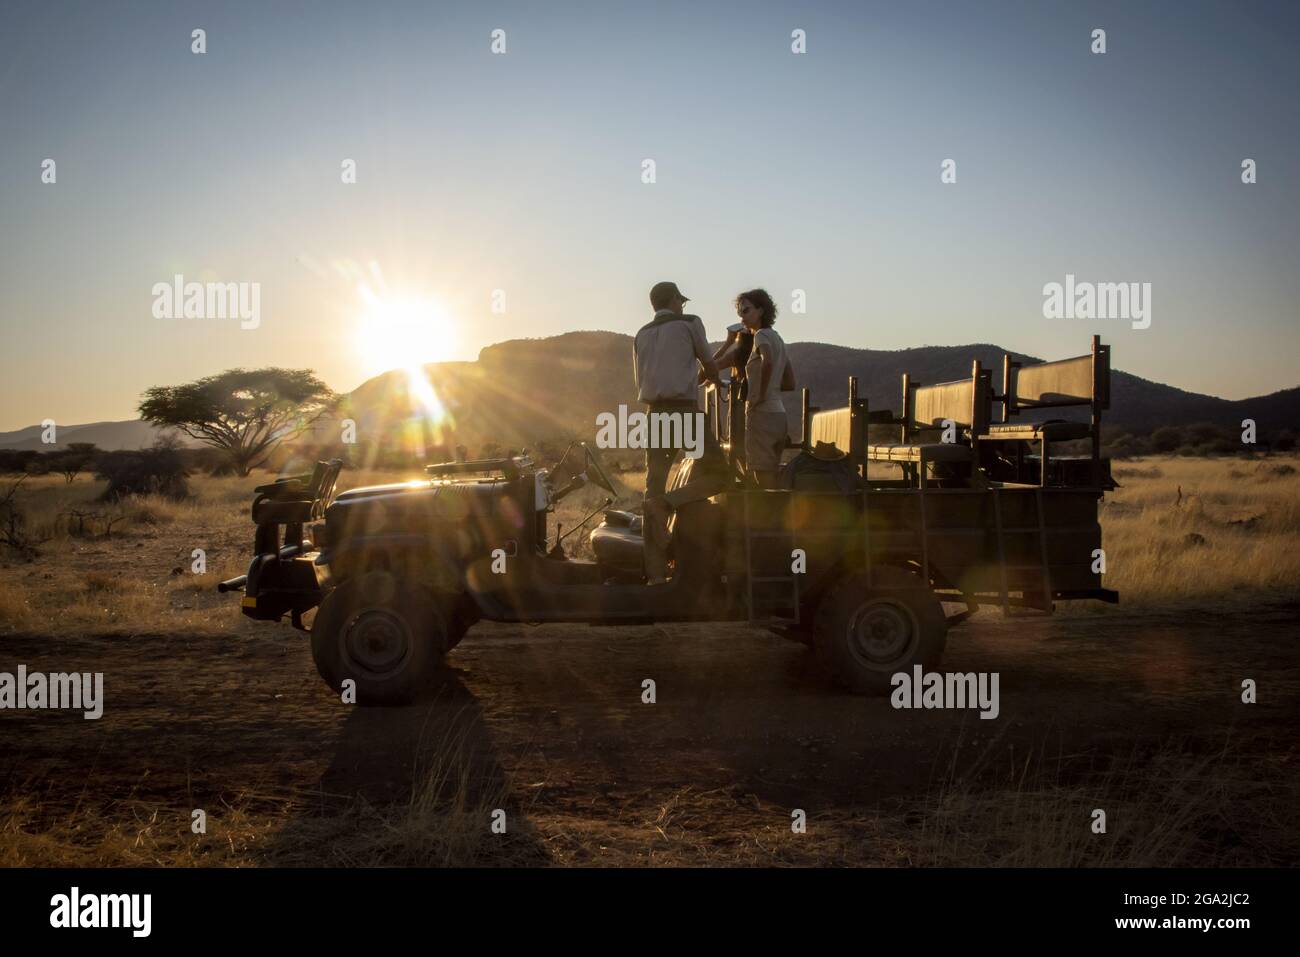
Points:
x=858 y=567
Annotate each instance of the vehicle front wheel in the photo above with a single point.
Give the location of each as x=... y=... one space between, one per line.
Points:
x=386 y=636
x=864 y=635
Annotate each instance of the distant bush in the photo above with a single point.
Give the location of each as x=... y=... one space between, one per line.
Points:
x=1124 y=445
x=1203 y=433
x=18 y=461
x=1167 y=438
x=155 y=471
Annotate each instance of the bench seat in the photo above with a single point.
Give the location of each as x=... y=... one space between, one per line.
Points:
x=1057 y=431
x=929 y=452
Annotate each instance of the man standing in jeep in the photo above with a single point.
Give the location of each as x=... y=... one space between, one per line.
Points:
x=667 y=355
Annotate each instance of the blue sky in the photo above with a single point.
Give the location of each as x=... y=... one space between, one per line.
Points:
x=522 y=172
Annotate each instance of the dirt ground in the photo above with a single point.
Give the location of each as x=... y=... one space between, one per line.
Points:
x=1132 y=710
x=1136 y=714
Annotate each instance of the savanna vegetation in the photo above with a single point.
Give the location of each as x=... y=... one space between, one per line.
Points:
x=117 y=576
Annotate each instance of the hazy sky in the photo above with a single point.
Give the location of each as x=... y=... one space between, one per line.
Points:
x=523 y=172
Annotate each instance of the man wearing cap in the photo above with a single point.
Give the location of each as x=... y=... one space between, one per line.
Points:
x=668 y=354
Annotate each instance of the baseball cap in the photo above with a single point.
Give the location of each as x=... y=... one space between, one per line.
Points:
x=662 y=293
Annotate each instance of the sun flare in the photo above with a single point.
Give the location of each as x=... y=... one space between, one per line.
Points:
x=402 y=333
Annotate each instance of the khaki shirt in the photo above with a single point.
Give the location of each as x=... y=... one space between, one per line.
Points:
x=667 y=354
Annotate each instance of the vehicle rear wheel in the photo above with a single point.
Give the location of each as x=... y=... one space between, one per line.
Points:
x=864 y=635
x=387 y=636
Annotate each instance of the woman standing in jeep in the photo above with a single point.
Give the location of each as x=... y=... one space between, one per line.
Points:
x=768 y=373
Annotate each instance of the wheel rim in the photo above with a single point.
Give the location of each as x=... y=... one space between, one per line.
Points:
x=882 y=633
x=377 y=641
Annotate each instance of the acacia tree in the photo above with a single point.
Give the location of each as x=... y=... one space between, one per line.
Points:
x=244 y=413
x=78 y=456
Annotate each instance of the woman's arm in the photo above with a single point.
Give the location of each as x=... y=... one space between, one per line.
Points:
x=787 y=377
x=765 y=375
x=733 y=338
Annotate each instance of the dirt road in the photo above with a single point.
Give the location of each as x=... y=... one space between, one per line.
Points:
x=1134 y=709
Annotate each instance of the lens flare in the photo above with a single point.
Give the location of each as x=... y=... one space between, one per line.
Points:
x=406 y=334
x=402 y=333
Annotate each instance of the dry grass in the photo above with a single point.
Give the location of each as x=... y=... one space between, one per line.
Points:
x=1231 y=538
x=138 y=578
x=1166 y=807
x=446 y=821
x=1231 y=535
x=14 y=607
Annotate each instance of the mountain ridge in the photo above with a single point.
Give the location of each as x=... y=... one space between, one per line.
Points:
x=520 y=390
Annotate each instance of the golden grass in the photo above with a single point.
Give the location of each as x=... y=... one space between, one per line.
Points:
x=1165 y=808
x=1230 y=538
x=1169 y=805
x=14 y=607
x=446 y=821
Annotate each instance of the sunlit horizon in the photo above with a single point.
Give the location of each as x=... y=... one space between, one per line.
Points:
x=502 y=197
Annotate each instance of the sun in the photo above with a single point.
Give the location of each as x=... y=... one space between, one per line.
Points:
x=402 y=333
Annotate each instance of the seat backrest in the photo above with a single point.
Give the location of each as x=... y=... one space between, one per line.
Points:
x=968 y=403
x=1082 y=380
x=323 y=479
x=836 y=427
x=329 y=481
x=845 y=428
x=317 y=477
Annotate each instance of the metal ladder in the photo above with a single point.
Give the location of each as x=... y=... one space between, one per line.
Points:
x=1045 y=575
x=790 y=581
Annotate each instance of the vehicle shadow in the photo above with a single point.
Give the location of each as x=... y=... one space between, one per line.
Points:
x=413 y=786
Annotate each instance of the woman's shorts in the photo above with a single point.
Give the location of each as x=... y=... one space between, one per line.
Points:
x=765 y=439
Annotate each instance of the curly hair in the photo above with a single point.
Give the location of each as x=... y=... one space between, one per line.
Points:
x=763 y=302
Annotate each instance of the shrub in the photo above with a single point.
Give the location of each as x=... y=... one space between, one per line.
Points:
x=18 y=460
x=13 y=523
x=1167 y=438
x=1124 y=446
x=1203 y=433
x=156 y=471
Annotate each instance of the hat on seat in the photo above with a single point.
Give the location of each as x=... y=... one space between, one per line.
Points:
x=827 y=452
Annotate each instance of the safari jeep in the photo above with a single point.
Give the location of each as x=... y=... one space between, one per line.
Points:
x=857 y=567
